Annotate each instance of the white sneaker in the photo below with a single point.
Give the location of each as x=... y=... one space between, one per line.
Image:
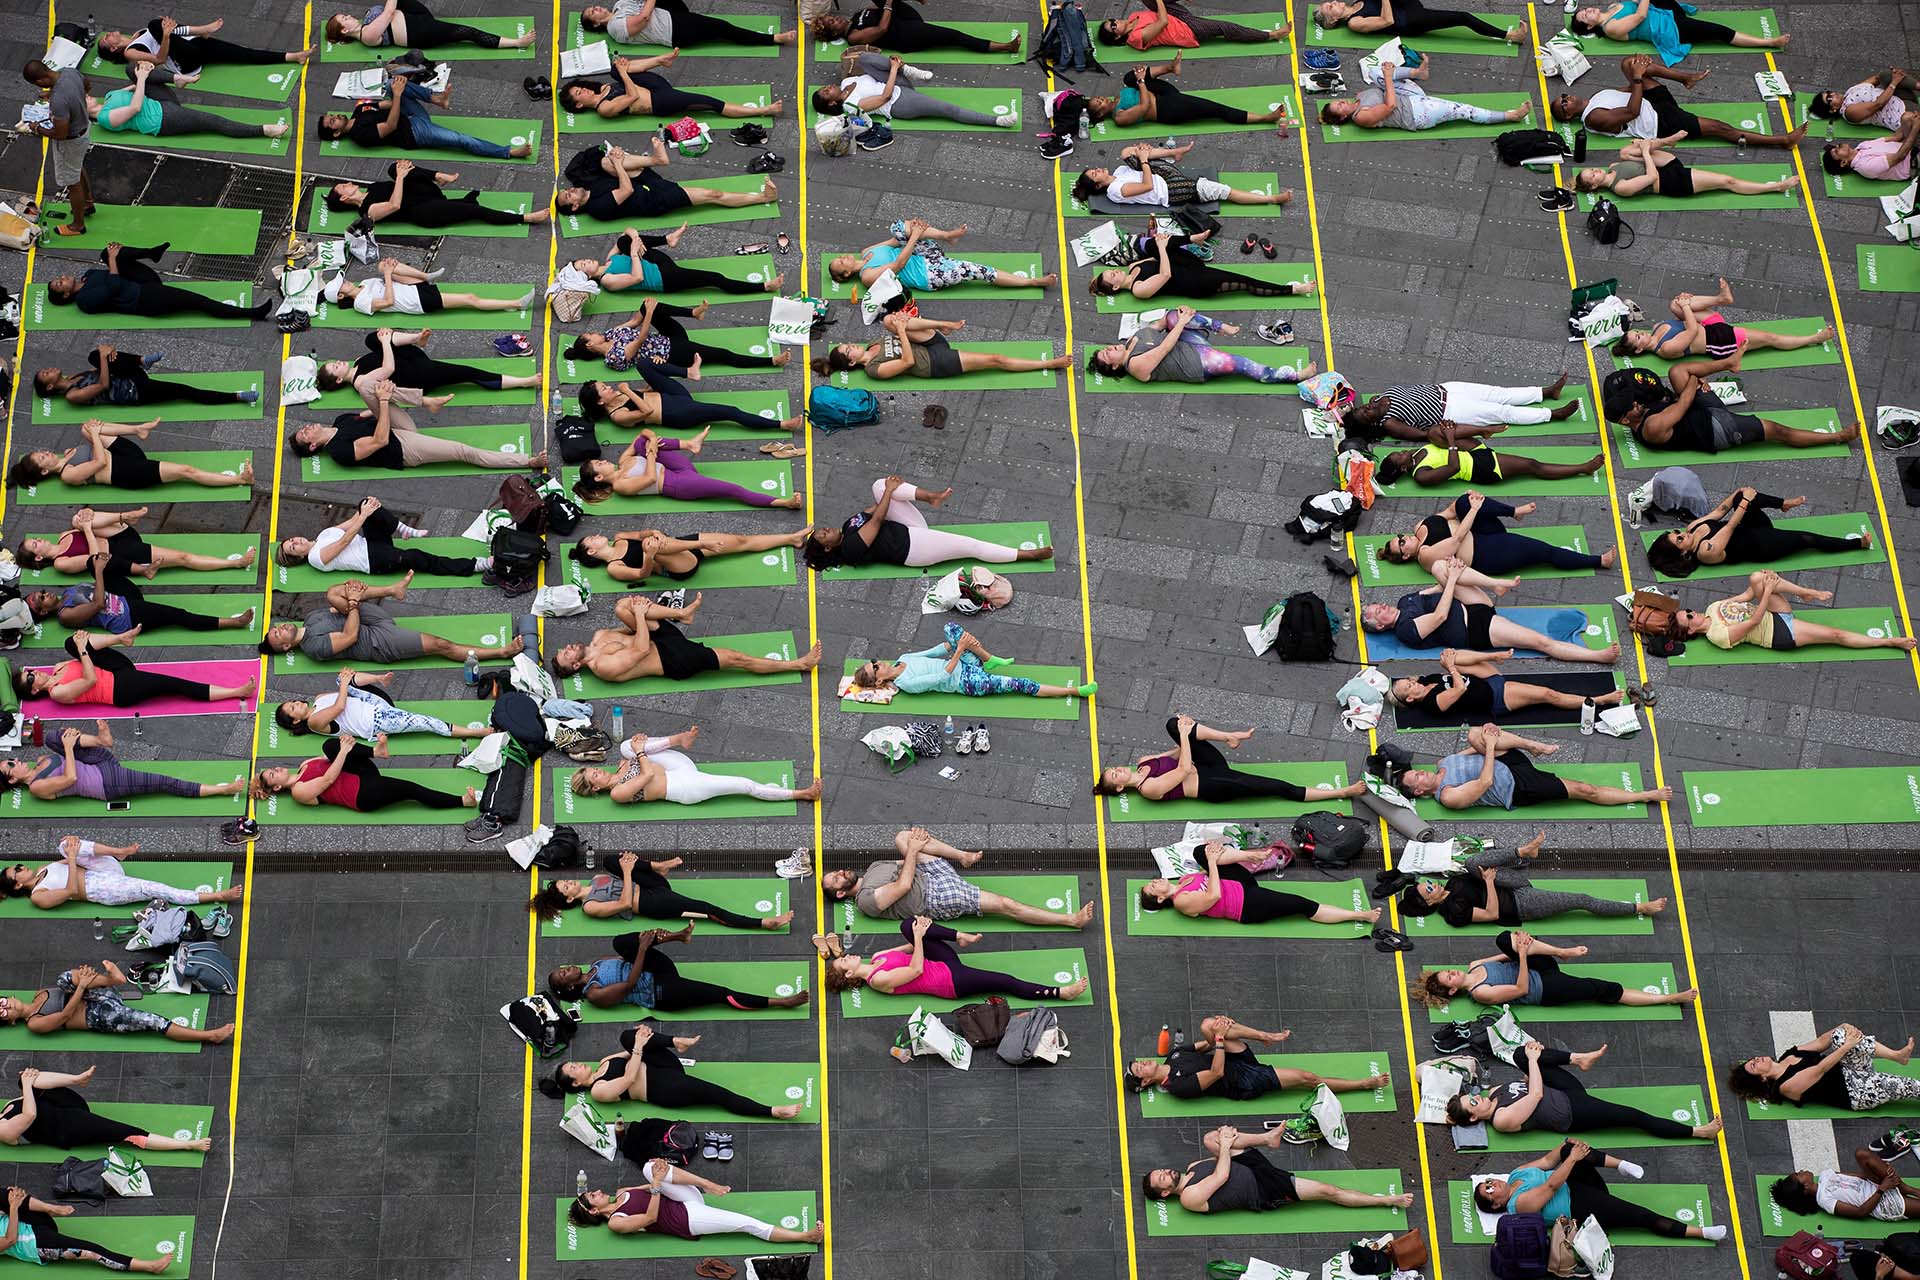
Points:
x=1006 y=120
x=919 y=75
x=965 y=746
x=981 y=742
x=797 y=865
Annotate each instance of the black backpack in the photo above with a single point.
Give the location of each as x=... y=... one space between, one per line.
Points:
x=1305 y=633
x=655 y=1139
x=1327 y=513
x=1531 y=146
x=562 y=850
x=542 y=1024
x=563 y=514
x=1606 y=225
x=1330 y=841
x=573 y=436
x=517 y=558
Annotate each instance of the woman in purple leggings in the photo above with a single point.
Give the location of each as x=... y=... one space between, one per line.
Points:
x=653 y=465
x=85 y=766
x=929 y=966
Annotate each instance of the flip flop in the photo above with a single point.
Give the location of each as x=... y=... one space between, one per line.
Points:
x=1385 y=939
x=783 y=242
x=1267 y=250
x=782 y=449
x=63 y=229
x=828 y=945
x=934 y=416
x=1247 y=245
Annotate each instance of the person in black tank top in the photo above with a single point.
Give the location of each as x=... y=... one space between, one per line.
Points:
x=1838 y=1069
x=1238 y=1176
x=1661 y=421
x=1739 y=531
x=632 y=556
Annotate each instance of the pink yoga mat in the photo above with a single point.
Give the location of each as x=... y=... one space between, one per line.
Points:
x=236 y=671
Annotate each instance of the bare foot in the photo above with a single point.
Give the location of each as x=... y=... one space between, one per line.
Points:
x=222 y=1034
x=969 y=857
x=1653 y=906
x=1074 y=990
x=1403 y=1201
x=1607 y=656
x=811 y=658
x=1903 y=1053
x=380 y=751
x=1371 y=917
x=400 y=587
x=940 y=498
x=786 y=1111
x=1585 y=1061
x=1711 y=1129
x=967 y=939
x=200 y=1144
x=1545 y=748
x=777 y=922
x=1083 y=917
x=786 y=356
x=1686 y=997
x=1609 y=557
x=470 y=799
x=1234 y=739
x=810 y=792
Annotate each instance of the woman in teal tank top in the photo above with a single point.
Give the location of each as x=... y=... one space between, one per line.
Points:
x=913 y=252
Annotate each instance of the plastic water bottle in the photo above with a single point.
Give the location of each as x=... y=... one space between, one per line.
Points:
x=99 y=928
x=1179 y=1039
x=949 y=727
x=580 y=1183
x=139 y=730
x=1586 y=716
x=619 y=719
x=1740 y=143
x=472 y=668
x=557 y=406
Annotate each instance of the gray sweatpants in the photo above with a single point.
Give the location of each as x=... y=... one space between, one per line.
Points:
x=914 y=105
x=1541 y=904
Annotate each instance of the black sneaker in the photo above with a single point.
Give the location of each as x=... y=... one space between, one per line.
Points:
x=767 y=162
x=749 y=135
x=1453 y=1037
x=876 y=139
x=1056 y=145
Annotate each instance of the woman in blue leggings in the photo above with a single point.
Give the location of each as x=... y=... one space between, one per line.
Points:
x=1471 y=529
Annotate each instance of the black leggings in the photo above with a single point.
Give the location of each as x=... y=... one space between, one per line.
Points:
x=1590 y=1113
x=1557 y=987
x=938 y=948
x=156 y=390
x=1259 y=904
x=1410 y=18
x=1589 y=1195
x=672 y=991
x=452 y=211
x=1170 y=106
x=1756 y=541
x=384 y=557
x=210 y=51
x=669 y=101
x=690 y=28
x=158 y=298
x=414 y=368
x=64 y=1120
x=133 y=685
x=55 y=1246
x=675 y=278
x=910 y=33
x=1696 y=30
x=659 y=901
x=424 y=31
x=1221 y=783
x=681 y=412
x=669 y=1085
x=155 y=614
x=377 y=791
x=1205 y=29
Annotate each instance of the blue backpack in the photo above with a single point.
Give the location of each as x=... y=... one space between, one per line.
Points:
x=1521 y=1244
x=834 y=408
x=1065 y=44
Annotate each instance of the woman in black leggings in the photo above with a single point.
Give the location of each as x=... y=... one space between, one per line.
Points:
x=129 y=287
x=120 y=378
x=930 y=966
x=97 y=676
x=639 y=973
x=665 y=404
x=408 y=24
x=406 y=365
x=1553 y=1099
x=417 y=195
x=1148 y=98
x=1527 y=971
x=1165 y=266
x=114 y=603
x=1198 y=771
x=648 y=1069
x=1738 y=531
x=178 y=53
x=1567 y=1182
x=26 y=1215
x=897 y=26
x=1406 y=18
x=671 y=24
x=346 y=775
x=1668 y=26
x=643 y=91
x=644 y=264
x=639 y=891
x=113 y=459
x=51 y=1113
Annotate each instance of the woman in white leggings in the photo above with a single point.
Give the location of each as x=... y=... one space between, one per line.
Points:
x=674 y=1202
x=92 y=872
x=893 y=531
x=659 y=769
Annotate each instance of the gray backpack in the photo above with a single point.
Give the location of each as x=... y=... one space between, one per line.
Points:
x=1027 y=1033
x=193 y=967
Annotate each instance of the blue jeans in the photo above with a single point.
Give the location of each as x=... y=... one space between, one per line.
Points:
x=428 y=134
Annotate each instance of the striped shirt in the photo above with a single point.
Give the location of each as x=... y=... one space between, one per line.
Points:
x=1419 y=407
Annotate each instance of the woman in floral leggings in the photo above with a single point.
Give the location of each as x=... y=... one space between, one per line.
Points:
x=1834 y=1070
x=83 y=999
x=958 y=664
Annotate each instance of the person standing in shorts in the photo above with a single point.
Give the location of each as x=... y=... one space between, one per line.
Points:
x=68 y=137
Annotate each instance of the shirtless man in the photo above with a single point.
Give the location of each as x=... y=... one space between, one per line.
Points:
x=922 y=882
x=650 y=643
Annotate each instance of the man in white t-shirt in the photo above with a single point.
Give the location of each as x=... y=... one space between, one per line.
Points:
x=364 y=543
x=875 y=88
x=1875 y=1192
x=1645 y=109
x=409 y=291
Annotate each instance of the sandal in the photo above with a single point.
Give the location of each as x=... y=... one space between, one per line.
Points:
x=539 y=88
x=1267 y=249
x=747 y=250
x=828 y=946
x=1247 y=246
x=1385 y=939
x=783 y=243
x=934 y=416
x=782 y=449
x=716 y=1269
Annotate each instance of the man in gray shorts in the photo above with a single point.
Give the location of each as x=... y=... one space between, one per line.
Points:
x=922 y=882
x=351 y=628
x=68 y=137
x=1693 y=418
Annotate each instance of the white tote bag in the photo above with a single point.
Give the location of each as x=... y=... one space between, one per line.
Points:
x=929 y=1035
x=1331 y=1117
x=125 y=1175
x=1590 y=1244
x=583 y=1123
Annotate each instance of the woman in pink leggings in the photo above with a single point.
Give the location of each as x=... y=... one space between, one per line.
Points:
x=653 y=465
x=929 y=966
x=892 y=531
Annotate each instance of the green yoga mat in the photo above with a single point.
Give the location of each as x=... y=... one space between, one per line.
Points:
x=1576 y=924
x=1257 y=100
x=771 y=476
x=1840 y=525
x=1842 y=129
x=166 y=1120
x=1802 y=797
x=706 y=215
x=330 y=316
x=1054 y=893
x=775 y=1083
x=770 y=405
x=1167 y=1218
x=1761 y=1109
x=137 y=1236
x=1648 y=977
x=19 y=803
x=1272 y=272
x=993 y=102
x=270 y=740
x=188 y=229
x=207 y=877
x=322 y=221
x=1518 y=488
x=506 y=437
x=1852 y=186
x=1888 y=268
x=1827 y=353
x=1635 y=456
x=1686 y=1201
x=830 y=52
x=596 y=125
x=753 y=569
x=1777 y=1223
x=1168 y=923
x=1133 y=807
x=1684 y=1103
x=48 y=411
x=750 y=897
x=1026 y=264
x=1762 y=171
x=57 y=493
x=1753 y=117
x=1350 y=132
x=465 y=394
x=1052 y=966
x=284 y=811
x=755 y=267
x=601 y=808
x=1004 y=706
x=1626 y=775
x=1875 y=622
x=507 y=133
x=1266 y=182
x=578 y=36
x=485 y=629
x=1158 y=1103
x=772 y=644
x=231 y=545
x=1378 y=571
x=304 y=577
x=218 y=605
x=1752 y=22
x=506 y=28
x=1450 y=40
x=186 y=1010
x=978 y=380
x=1018 y=533
x=47 y=317
x=269 y=82
x=211 y=143
x=794 y=1209
x=758 y=977
x=1095 y=382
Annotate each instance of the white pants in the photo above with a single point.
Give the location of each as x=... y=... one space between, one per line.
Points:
x=1476 y=404
x=108 y=885
x=687 y=785
x=705 y=1220
x=927 y=546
